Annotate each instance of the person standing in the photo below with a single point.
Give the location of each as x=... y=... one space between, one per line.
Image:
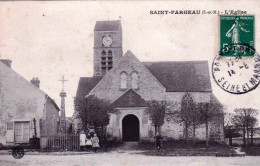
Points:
x=95 y=141
x=82 y=138
x=158 y=141
x=89 y=142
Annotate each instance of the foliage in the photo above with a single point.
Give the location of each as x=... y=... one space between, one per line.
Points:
x=209 y=111
x=93 y=111
x=230 y=131
x=157 y=111
x=245 y=120
x=189 y=115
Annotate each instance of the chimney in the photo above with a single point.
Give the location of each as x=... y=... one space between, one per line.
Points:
x=36 y=82
x=7 y=62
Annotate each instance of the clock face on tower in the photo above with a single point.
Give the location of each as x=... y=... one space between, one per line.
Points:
x=107 y=40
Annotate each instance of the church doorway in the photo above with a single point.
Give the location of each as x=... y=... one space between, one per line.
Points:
x=130 y=125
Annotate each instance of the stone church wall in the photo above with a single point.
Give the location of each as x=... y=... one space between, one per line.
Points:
x=114 y=129
x=109 y=88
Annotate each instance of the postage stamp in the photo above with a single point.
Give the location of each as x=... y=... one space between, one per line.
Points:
x=236 y=30
x=236 y=69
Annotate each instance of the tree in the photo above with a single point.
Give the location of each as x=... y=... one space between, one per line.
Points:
x=98 y=111
x=229 y=129
x=196 y=120
x=239 y=124
x=253 y=122
x=81 y=111
x=208 y=112
x=93 y=112
x=189 y=115
x=157 y=111
x=245 y=119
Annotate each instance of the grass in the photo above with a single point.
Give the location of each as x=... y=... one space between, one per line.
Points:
x=252 y=150
x=182 y=148
x=107 y=146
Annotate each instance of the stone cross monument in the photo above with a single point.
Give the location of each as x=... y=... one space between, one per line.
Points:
x=62 y=126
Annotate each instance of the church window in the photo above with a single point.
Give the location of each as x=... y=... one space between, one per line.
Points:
x=103 y=53
x=106 y=61
x=187 y=102
x=109 y=53
x=103 y=62
x=123 y=80
x=134 y=80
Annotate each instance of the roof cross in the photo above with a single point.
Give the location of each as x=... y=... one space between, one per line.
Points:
x=63 y=80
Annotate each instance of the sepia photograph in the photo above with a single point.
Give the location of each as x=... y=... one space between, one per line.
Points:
x=125 y=83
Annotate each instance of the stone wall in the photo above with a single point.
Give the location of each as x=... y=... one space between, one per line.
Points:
x=170 y=130
x=116 y=48
x=150 y=89
x=109 y=87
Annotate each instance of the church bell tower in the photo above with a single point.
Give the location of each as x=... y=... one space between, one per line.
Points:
x=107 y=46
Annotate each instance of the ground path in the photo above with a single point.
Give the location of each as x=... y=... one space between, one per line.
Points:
x=124 y=159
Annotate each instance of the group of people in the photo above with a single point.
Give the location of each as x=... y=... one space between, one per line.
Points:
x=89 y=142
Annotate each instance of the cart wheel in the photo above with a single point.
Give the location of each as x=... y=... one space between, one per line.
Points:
x=18 y=153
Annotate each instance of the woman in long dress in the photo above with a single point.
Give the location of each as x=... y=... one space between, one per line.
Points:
x=235 y=31
x=82 y=138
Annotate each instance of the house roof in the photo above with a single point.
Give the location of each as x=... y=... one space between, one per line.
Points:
x=129 y=99
x=113 y=25
x=86 y=84
x=53 y=102
x=184 y=76
x=4 y=67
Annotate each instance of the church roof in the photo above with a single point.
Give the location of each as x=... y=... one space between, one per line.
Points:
x=113 y=25
x=184 y=76
x=129 y=99
x=213 y=99
x=86 y=84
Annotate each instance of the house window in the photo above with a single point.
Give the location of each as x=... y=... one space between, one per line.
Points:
x=134 y=80
x=123 y=80
x=9 y=126
x=21 y=131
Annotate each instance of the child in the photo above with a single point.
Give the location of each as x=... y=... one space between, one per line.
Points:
x=95 y=141
x=88 y=142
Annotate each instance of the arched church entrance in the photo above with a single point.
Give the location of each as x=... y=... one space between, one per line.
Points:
x=130 y=125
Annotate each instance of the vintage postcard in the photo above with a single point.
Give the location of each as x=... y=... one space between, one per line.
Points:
x=129 y=83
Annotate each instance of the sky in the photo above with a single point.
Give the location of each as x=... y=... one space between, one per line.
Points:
x=50 y=39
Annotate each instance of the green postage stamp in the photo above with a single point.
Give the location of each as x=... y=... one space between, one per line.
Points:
x=236 y=31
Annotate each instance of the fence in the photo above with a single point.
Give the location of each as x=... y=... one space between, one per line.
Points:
x=63 y=143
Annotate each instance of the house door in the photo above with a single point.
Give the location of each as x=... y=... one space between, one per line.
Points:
x=131 y=128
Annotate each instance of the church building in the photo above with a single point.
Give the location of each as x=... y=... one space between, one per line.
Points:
x=128 y=84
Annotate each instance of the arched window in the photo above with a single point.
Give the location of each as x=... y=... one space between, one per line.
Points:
x=110 y=60
x=123 y=80
x=103 y=53
x=187 y=102
x=109 y=53
x=134 y=80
